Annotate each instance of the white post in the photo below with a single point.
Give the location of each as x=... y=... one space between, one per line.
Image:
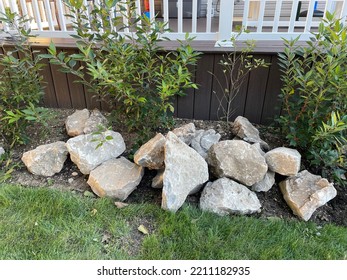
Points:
x=277 y=15
x=61 y=16
x=194 y=15
x=225 y=23
x=180 y=16
x=37 y=15
x=49 y=15
x=209 y=16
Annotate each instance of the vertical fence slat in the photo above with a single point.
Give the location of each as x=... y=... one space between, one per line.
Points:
x=2 y=10
x=277 y=15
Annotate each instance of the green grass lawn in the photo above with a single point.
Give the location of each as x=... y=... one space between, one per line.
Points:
x=42 y=223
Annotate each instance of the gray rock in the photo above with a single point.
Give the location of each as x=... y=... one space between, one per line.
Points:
x=225 y=196
x=185 y=133
x=257 y=145
x=85 y=154
x=116 y=178
x=185 y=173
x=46 y=160
x=203 y=141
x=95 y=122
x=243 y=129
x=284 y=161
x=305 y=192
x=265 y=184
x=151 y=154
x=75 y=123
x=237 y=160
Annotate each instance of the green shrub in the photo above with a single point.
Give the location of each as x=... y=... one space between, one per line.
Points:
x=20 y=82
x=314 y=95
x=132 y=71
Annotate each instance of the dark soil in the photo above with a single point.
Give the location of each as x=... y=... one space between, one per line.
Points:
x=273 y=204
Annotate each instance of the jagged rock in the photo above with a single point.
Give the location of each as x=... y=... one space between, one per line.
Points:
x=225 y=196
x=116 y=178
x=284 y=161
x=2 y=151
x=203 y=141
x=243 y=129
x=185 y=133
x=265 y=184
x=305 y=192
x=151 y=154
x=85 y=154
x=95 y=122
x=237 y=160
x=157 y=181
x=46 y=160
x=75 y=123
x=185 y=173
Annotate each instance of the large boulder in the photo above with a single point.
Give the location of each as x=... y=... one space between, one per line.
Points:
x=151 y=154
x=116 y=178
x=225 y=196
x=243 y=129
x=305 y=192
x=203 y=141
x=89 y=151
x=237 y=160
x=185 y=173
x=284 y=161
x=46 y=160
x=185 y=133
x=95 y=122
x=75 y=123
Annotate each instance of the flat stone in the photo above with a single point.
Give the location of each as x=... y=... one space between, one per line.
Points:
x=284 y=161
x=116 y=178
x=87 y=156
x=238 y=160
x=75 y=123
x=185 y=133
x=95 y=122
x=151 y=154
x=243 y=129
x=306 y=192
x=46 y=160
x=185 y=173
x=225 y=196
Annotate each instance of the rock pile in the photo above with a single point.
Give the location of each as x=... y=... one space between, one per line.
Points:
x=228 y=173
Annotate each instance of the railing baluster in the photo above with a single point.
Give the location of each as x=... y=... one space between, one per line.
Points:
x=2 y=10
x=61 y=17
x=225 y=22
x=151 y=9
x=25 y=14
x=37 y=15
x=277 y=15
x=180 y=16
x=49 y=15
x=309 y=16
x=344 y=13
x=245 y=14
x=166 y=12
x=209 y=16
x=293 y=16
x=194 y=15
x=261 y=16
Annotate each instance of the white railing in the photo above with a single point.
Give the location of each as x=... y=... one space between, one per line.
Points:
x=204 y=19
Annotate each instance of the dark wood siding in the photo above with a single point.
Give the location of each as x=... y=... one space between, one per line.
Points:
x=257 y=99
